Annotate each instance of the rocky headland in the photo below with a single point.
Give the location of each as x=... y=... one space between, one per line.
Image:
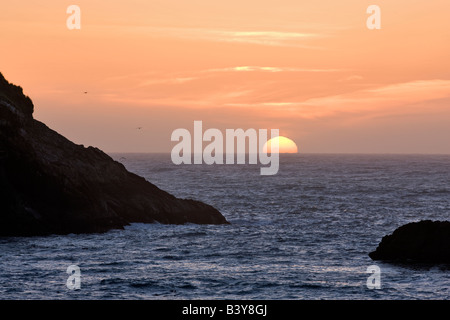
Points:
x=50 y=185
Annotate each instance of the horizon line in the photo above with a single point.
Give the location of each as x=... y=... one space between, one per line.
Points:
x=298 y=153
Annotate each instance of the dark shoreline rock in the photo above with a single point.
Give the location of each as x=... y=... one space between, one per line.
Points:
x=424 y=242
x=50 y=185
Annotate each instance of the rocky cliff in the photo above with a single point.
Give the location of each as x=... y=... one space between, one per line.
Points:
x=51 y=185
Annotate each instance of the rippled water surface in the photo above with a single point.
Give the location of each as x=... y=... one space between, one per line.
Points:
x=304 y=233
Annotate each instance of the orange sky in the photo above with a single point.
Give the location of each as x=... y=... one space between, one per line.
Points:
x=311 y=69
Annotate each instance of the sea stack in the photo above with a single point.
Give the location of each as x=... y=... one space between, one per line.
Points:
x=424 y=241
x=50 y=185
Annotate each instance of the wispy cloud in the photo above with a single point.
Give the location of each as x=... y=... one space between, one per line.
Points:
x=397 y=98
x=269 y=69
x=168 y=81
x=182 y=78
x=271 y=38
x=259 y=37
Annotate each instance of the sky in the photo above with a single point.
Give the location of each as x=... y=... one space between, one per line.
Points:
x=311 y=69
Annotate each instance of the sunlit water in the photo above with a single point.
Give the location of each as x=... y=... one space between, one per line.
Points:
x=304 y=233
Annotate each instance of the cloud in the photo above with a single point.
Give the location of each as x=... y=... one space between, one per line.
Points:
x=396 y=98
x=259 y=37
x=150 y=79
x=271 y=38
x=269 y=69
x=408 y=97
x=167 y=81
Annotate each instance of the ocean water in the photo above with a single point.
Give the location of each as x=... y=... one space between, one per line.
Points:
x=304 y=233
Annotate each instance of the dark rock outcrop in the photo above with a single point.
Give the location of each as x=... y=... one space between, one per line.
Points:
x=50 y=185
x=424 y=241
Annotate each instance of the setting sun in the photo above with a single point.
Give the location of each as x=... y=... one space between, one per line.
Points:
x=285 y=145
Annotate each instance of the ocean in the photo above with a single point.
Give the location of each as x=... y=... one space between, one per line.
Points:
x=302 y=234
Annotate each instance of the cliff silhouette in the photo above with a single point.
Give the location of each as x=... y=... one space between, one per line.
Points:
x=50 y=185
